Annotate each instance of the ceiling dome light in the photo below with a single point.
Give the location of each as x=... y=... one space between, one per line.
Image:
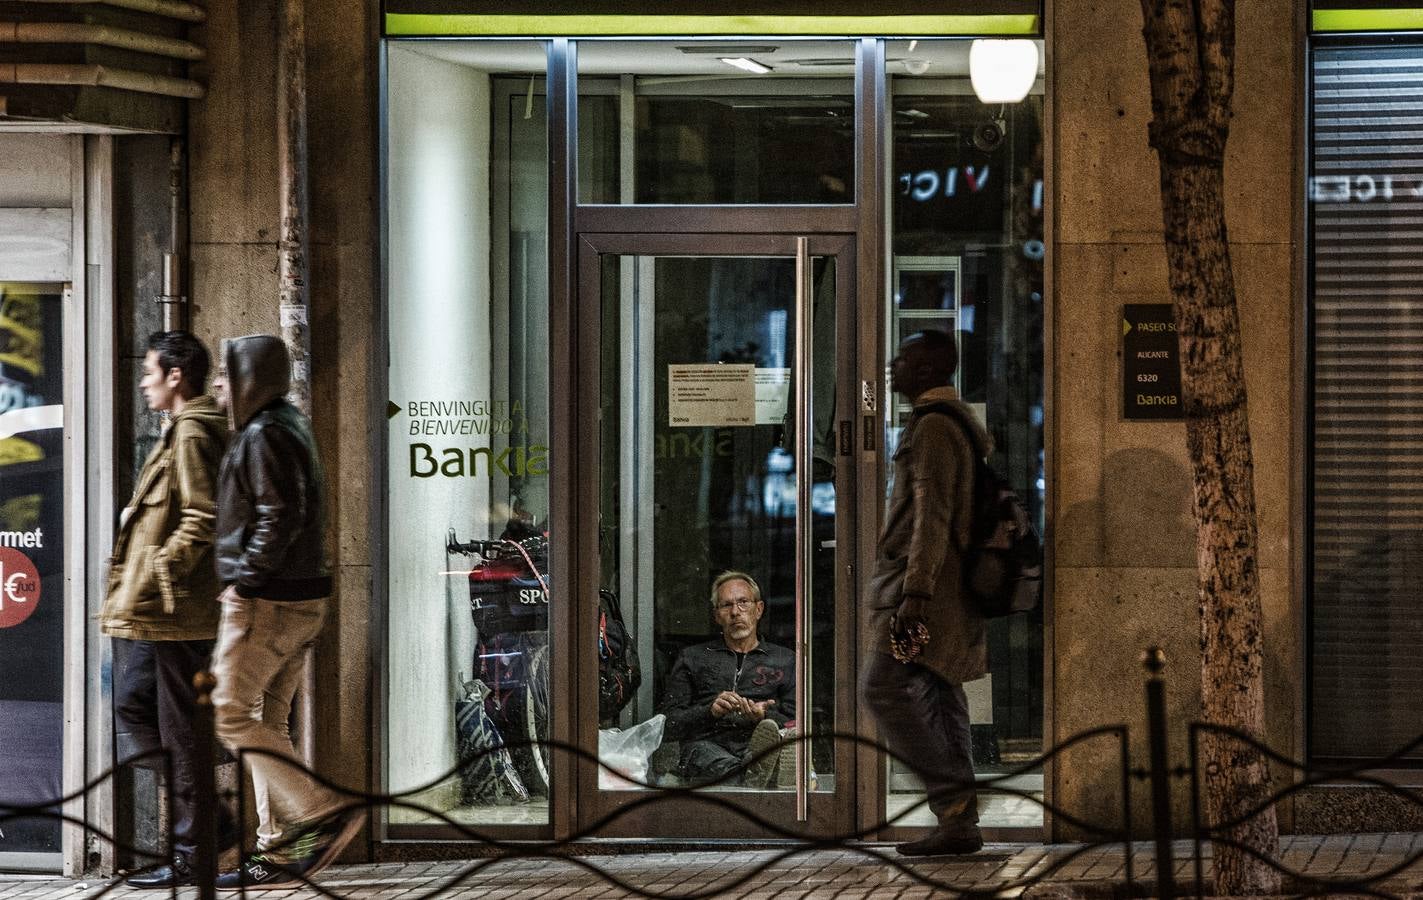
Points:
x=1002 y=71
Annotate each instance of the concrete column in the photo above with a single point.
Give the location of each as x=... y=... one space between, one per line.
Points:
x=234 y=229
x=1124 y=536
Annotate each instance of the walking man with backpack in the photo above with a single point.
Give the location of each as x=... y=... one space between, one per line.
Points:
x=271 y=557
x=927 y=637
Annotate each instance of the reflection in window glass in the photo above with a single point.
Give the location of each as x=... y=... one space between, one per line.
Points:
x=723 y=123
x=32 y=604
x=966 y=194
x=467 y=520
x=1367 y=333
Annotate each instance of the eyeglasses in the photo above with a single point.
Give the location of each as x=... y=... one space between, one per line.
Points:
x=741 y=604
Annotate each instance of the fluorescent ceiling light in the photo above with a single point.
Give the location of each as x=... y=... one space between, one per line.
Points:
x=1002 y=71
x=728 y=49
x=749 y=65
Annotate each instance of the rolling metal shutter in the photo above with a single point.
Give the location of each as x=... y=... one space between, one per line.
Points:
x=1366 y=195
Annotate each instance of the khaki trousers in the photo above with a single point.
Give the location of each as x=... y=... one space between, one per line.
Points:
x=258 y=661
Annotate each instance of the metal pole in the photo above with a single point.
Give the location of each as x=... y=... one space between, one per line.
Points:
x=804 y=450
x=205 y=798
x=1125 y=750
x=172 y=299
x=292 y=174
x=1154 y=659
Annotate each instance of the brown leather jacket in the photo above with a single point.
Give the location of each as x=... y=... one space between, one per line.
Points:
x=271 y=540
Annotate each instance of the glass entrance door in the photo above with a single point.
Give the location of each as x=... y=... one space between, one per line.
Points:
x=710 y=467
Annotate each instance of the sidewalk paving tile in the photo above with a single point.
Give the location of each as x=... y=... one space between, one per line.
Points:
x=825 y=874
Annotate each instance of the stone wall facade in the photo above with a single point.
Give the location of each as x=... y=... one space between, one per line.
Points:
x=1122 y=534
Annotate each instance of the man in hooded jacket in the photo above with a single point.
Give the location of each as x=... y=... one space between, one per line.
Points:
x=271 y=558
x=919 y=702
x=161 y=604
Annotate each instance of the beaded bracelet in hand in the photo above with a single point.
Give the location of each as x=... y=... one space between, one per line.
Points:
x=906 y=644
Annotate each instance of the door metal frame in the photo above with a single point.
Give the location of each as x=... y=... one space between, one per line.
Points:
x=85 y=282
x=620 y=814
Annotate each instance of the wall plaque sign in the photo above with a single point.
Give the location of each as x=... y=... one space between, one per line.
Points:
x=1151 y=363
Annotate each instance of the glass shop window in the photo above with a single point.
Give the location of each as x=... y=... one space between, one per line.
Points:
x=468 y=431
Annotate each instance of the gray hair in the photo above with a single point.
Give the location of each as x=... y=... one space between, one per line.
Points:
x=725 y=577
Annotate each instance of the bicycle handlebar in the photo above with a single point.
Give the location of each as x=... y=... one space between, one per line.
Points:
x=487 y=549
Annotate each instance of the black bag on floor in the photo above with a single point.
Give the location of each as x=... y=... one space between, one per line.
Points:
x=619 y=673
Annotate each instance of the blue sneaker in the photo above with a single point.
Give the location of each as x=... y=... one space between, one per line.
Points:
x=264 y=870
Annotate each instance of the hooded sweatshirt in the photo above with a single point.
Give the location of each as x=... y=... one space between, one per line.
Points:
x=271 y=515
x=161 y=585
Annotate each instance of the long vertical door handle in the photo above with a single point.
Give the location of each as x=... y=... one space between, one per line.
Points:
x=804 y=466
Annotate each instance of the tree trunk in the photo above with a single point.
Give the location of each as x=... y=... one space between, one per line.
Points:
x=1191 y=52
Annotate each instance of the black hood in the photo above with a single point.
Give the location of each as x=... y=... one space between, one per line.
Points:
x=258 y=372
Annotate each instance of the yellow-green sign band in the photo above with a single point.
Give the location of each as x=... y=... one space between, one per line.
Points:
x=1341 y=20
x=420 y=25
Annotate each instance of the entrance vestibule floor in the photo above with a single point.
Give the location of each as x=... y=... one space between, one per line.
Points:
x=994 y=810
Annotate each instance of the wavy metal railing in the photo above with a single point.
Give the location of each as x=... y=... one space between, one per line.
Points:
x=651 y=794
x=52 y=810
x=1159 y=773
x=1303 y=778
x=646 y=795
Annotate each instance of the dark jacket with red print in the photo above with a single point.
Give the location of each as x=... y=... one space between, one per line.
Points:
x=704 y=670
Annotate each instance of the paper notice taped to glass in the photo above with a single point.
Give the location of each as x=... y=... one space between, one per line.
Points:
x=773 y=394
x=711 y=396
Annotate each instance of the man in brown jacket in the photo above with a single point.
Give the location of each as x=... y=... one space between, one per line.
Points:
x=161 y=606
x=920 y=704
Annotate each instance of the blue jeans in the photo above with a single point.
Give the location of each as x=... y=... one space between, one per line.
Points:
x=924 y=721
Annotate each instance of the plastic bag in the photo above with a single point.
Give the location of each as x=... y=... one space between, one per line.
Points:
x=626 y=753
x=486 y=772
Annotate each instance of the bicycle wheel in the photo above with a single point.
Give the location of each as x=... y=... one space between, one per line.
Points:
x=529 y=719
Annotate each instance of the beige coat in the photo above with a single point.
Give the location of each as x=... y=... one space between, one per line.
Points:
x=925 y=533
x=162 y=583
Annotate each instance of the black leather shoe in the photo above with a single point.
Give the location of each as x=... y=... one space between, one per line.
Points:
x=176 y=874
x=942 y=842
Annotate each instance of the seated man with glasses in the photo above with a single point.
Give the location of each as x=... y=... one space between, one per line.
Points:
x=728 y=699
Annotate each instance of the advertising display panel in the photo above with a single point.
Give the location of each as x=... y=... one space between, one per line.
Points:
x=31 y=560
